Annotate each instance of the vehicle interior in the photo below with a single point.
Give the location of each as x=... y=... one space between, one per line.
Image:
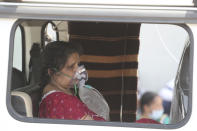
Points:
x=111 y=57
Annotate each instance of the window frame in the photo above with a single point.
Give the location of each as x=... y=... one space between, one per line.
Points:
x=23 y=50
x=102 y=12
x=117 y=124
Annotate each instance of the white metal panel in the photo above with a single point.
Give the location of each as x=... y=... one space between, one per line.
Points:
x=121 y=2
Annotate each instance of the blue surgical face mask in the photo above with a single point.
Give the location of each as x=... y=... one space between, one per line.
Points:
x=156 y=114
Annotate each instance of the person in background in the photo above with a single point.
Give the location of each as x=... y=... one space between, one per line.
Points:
x=152 y=109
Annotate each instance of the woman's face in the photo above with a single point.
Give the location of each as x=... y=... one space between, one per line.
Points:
x=62 y=78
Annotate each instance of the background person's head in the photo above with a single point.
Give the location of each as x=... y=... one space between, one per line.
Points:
x=60 y=62
x=151 y=106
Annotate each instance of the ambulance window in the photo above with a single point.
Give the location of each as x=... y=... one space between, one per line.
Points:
x=139 y=74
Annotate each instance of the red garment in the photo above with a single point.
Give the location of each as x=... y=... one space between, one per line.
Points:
x=146 y=120
x=58 y=105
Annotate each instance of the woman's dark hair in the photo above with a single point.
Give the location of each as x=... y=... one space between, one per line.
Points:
x=55 y=56
x=146 y=99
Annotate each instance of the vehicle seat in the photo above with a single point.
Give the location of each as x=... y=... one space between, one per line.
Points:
x=21 y=102
x=35 y=64
x=18 y=79
x=34 y=92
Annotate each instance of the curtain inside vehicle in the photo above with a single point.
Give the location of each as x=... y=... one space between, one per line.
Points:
x=111 y=59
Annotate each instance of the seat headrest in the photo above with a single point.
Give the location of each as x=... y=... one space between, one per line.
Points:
x=22 y=103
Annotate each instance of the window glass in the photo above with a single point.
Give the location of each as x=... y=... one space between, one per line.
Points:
x=17 y=60
x=160 y=51
x=160 y=54
x=132 y=72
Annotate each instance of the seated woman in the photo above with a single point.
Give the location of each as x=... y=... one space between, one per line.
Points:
x=60 y=62
x=152 y=109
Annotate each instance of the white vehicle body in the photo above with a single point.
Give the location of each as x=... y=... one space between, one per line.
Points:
x=95 y=11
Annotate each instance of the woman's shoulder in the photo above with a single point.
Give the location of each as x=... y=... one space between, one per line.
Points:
x=62 y=100
x=54 y=95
